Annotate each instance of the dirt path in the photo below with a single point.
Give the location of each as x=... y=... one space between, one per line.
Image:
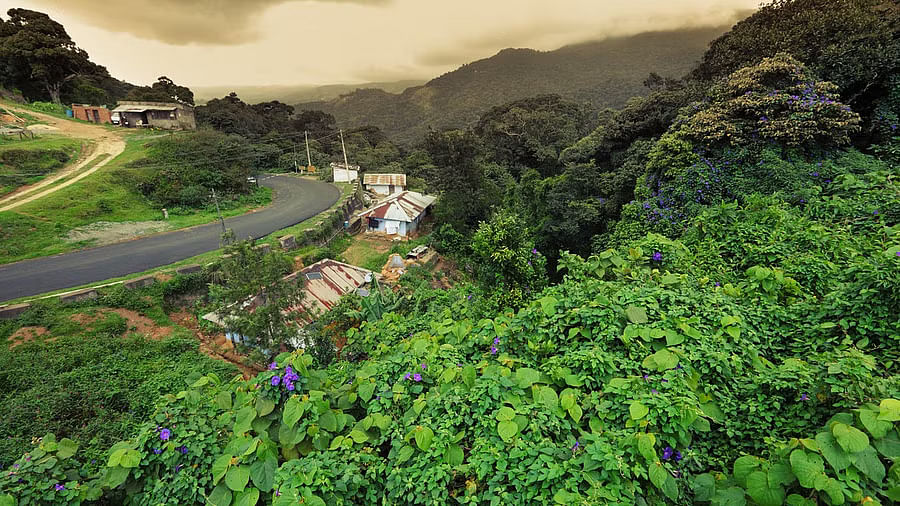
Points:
x=105 y=145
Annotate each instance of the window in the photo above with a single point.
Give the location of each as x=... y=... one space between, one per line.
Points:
x=314 y=275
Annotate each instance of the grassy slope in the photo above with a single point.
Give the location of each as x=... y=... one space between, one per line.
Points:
x=72 y=147
x=39 y=228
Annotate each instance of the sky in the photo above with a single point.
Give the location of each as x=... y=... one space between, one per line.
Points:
x=293 y=42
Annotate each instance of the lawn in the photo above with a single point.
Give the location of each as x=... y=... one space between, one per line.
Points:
x=40 y=228
x=28 y=161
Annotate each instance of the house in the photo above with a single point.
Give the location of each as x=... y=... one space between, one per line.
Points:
x=385 y=184
x=92 y=113
x=344 y=173
x=164 y=115
x=398 y=214
x=325 y=282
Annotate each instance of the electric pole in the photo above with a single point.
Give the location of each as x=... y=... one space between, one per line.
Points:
x=221 y=219
x=296 y=167
x=308 y=159
x=346 y=165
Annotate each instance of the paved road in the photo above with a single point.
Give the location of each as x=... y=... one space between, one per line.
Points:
x=295 y=200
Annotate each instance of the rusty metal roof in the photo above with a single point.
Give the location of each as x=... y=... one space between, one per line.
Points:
x=404 y=206
x=385 y=179
x=331 y=280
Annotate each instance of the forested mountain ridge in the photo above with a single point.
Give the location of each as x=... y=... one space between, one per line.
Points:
x=601 y=74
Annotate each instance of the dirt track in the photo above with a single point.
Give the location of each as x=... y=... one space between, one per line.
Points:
x=104 y=145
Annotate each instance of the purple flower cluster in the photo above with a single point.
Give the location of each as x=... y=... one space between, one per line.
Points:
x=494 y=348
x=287 y=381
x=59 y=487
x=668 y=453
x=165 y=434
x=415 y=377
x=657 y=256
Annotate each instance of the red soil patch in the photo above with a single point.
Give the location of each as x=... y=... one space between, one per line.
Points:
x=26 y=335
x=141 y=324
x=215 y=345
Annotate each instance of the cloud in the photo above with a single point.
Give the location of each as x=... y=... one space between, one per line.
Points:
x=182 y=22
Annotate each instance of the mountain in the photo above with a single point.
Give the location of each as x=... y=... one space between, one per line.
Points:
x=294 y=94
x=601 y=74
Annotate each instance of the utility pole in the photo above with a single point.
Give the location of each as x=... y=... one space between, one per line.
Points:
x=346 y=165
x=308 y=159
x=296 y=168
x=221 y=219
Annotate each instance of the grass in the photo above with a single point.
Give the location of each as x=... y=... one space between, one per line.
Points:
x=91 y=377
x=39 y=228
x=39 y=166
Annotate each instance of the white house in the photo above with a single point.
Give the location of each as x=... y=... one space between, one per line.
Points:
x=344 y=173
x=385 y=184
x=398 y=214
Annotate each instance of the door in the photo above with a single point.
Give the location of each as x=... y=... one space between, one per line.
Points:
x=96 y=116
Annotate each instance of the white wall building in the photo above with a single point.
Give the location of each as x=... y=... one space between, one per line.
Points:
x=399 y=214
x=343 y=173
x=385 y=184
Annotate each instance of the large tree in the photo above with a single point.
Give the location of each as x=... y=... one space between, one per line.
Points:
x=37 y=56
x=163 y=90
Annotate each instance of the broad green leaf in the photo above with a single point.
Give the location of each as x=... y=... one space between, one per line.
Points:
x=220 y=466
x=833 y=453
x=358 y=436
x=468 y=376
x=244 y=419
x=889 y=445
x=131 y=458
x=575 y=412
x=807 y=467
x=674 y=339
x=293 y=411
x=116 y=476
x=453 y=455
x=638 y=410
x=743 y=466
x=868 y=462
x=223 y=400
x=877 y=428
x=763 y=491
x=367 y=390
x=264 y=406
x=525 y=377
x=67 y=448
x=664 y=481
x=549 y=398
x=564 y=497
x=799 y=500
x=248 y=497
x=115 y=458
x=850 y=438
x=262 y=472
x=636 y=314
x=661 y=360
x=732 y=496
x=328 y=421
x=548 y=305
x=832 y=487
x=336 y=443
x=220 y=496
x=424 y=435
x=704 y=487
x=645 y=444
x=288 y=497
x=507 y=430
x=237 y=477
x=889 y=410
x=289 y=436
x=505 y=414
x=7 y=500
x=404 y=454
x=203 y=381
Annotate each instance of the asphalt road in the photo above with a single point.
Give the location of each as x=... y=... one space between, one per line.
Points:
x=295 y=200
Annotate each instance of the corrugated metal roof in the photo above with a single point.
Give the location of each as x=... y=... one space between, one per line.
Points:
x=404 y=206
x=142 y=108
x=385 y=179
x=335 y=280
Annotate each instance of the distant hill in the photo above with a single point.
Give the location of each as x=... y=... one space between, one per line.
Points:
x=602 y=74
x=294 y=94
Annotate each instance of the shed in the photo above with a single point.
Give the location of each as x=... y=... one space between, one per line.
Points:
x=92 y=113
x=385 y=184
x=398 y=214
x=165 y=115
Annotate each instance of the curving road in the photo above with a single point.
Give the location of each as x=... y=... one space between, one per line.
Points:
x=295 y=200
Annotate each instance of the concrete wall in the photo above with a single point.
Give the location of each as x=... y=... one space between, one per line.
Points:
x=86 y=113
x=383 y=189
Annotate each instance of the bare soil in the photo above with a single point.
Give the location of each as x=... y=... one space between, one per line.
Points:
x=139 y=323
x=106 y=232
x=214 y=345
x=26 y=335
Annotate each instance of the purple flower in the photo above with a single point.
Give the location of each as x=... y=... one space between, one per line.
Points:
x=178 y=468
x=278 y=493
x=718 y=284
x=875 y=212
x=184 y=450
x=657 y=257
x=459 y=365
x=664 y=380
x=493 y=350
x=165 y=434
x=496 y=340
x=469 y=297
x=417 y=377
x=407 y=375
x=60 y=487
x=273 y=366
x=804 y=397
x=677 y=456
x=290 y=386
x=423 y=367
x=653 y=391
x=288 y=371
x=898 y=253
x=534 y=251
x=276 y=380
x=667 y=453
x=157 y=451
x=575 y=447
x=646 y=377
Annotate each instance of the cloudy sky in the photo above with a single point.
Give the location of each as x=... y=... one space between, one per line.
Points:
x=283 y=42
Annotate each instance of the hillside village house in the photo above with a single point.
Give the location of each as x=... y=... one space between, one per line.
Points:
x=164 y=115
x=385 y=184
x=92 y=113
x=324 y=283
x=400 y=214
x=344 y=173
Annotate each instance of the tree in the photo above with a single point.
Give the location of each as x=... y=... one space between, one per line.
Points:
x=38 y=56
x=256 y=300
x=506 y=258
x=163 y=90
x=231 y=115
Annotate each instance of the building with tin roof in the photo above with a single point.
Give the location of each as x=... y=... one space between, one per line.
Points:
x=399 y=214
x=385 y=184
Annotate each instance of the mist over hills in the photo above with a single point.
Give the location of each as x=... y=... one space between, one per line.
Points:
x=292 y=94
x=600 y=74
